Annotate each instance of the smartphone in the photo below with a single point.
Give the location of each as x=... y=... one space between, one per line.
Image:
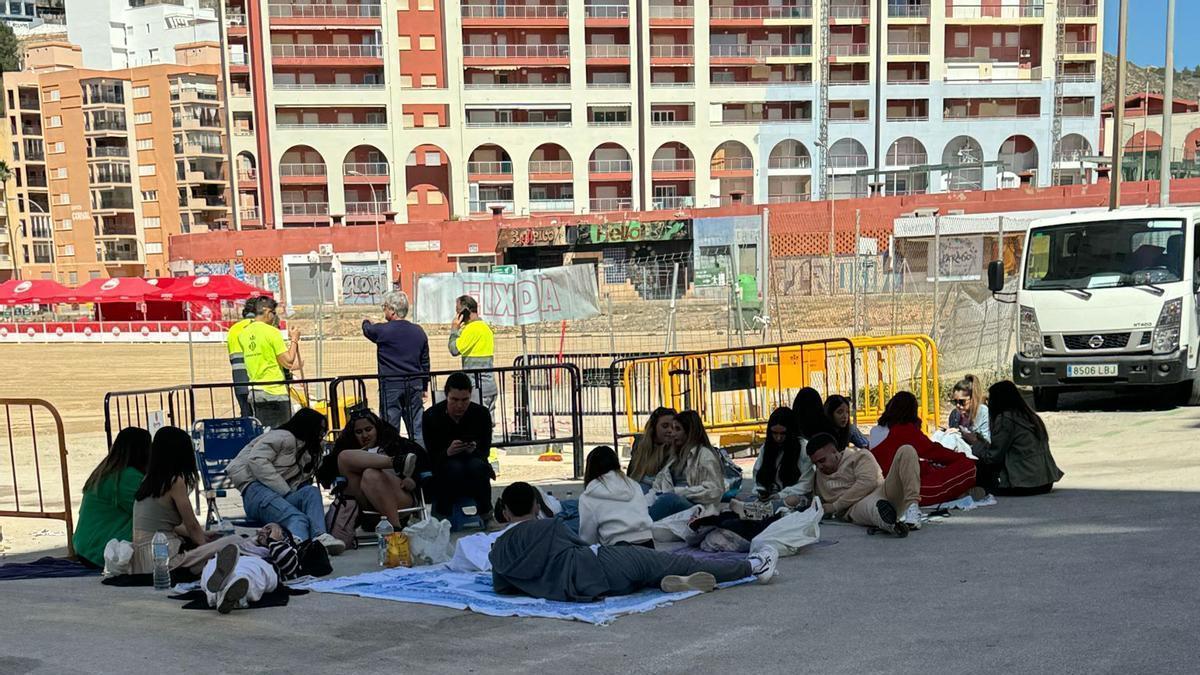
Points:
x=464 y=315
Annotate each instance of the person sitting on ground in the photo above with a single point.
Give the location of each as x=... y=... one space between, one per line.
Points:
x=458 y=438
x=612 y=509
x=837 y=410
x=1017 y=462
x=544 y=559
x=232 y=579
x=106 y=511
x=162 y=500
x=381 y=468
x=783 y=474
x=852 y=486
x=274 y=473
x=653 y=447
x=970 y=413
x=694 y=474
x=945 y=474
x=810 y=414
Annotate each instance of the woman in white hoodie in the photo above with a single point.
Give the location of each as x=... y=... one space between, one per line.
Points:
x=612 y=509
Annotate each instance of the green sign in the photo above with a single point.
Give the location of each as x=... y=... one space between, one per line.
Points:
x=504 y=269
x=633 y=231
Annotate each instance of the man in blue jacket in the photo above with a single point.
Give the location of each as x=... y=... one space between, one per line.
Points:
x=403 y=358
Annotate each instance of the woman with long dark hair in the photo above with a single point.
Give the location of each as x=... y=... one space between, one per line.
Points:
x=783 y=473
x=106 y=511
x=694 y=474
x=1017 y=462
x=653 y=447
x=161 y=501
x=274 y=473
x=845 y=432
x=380 y=466
x=612 y=509
x=810 y=414
x=945 y=475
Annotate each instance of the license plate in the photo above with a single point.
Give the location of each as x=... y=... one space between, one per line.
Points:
x=1093 y=370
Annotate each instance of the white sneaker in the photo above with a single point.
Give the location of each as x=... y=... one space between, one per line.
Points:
x=912 y=517
x=763 y=562
x=333 y=545
x=233 y=595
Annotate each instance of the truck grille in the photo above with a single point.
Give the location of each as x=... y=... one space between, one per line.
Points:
x=1111 y=341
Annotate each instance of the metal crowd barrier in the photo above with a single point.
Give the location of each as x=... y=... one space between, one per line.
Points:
x=19 y=441
x=595 y=378
x=899 y=363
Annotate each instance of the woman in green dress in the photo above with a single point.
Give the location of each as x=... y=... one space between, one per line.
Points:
x=106 y=511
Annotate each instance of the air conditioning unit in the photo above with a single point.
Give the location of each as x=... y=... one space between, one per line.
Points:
x=324 y=249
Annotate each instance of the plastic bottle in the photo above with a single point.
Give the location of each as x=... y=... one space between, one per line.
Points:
x=382 y=531
x=162 y=558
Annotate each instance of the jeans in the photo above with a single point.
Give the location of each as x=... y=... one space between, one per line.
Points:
x=300 y=510
x=468 y=477
x=668 y=504
x=402 y=402
x=628 y=569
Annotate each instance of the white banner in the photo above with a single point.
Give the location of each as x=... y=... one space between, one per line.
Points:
x=529 y=296
x=957 y=259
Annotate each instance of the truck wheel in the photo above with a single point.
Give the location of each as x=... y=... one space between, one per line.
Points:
x=1045 y=400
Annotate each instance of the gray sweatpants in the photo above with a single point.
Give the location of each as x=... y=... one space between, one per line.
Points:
x=629 y=569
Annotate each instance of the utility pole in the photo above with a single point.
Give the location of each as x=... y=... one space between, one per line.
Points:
x=1164 y=172
x=1114 y=172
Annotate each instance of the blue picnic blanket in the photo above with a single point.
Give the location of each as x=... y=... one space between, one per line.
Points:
x=438 y=586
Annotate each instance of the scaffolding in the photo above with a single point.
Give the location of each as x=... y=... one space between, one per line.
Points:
x=1060 y=43
x=823 y=95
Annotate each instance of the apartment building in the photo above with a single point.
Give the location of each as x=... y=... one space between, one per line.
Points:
x=107 y=165
x=348 y=110
x=128 y=33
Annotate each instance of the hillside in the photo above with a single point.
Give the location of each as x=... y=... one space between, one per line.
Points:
x=1139 y=79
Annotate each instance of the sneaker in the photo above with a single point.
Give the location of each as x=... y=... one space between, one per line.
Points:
x=912 y=517
x=333 y=545
x=978 y=494
x=405 y=465
x=226 y=562
x=887 y=514
x=763 y=562
x=700 y=581
x=231 y=597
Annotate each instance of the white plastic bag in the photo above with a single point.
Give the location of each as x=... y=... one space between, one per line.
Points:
x=429 y=541
x=675 y=527
x=952 y=439
x=118 y=557
x=792 y=532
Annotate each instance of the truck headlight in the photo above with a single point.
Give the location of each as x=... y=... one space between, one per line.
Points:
x=1166 y=331
x=1030 y=334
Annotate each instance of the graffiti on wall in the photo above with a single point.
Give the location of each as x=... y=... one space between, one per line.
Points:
x=632 y=231
x=363 y=283
x=512 y=237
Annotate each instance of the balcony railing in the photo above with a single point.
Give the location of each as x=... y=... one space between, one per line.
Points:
x=762 y=83
x=607 y=51
x=1079 y=47
x=542 y=205
x=352 y=86
x=848 y=161
x=788 y=198
x=558 y=51
x=606 y=10
x=610 y=204
x=671 y=11
x=324 y=11
x=108 y=151
x=514 y=11
x=550 y=166
x=327 y=51
x=906 y=158
x=302 y=170
x=248 y=214
x=662 y=122
x=857 y=49
x=365 y=169
x=608 y=85
x=733 y=164
x=305 y=208
x=790 y=162
x=909 y=118
x=518 y=85
x=485 y=205
x=849 y=11
x=490 y=124
x=671 y=52
x=907 y=11
x=247 y=174
x=366 y=208
x=977 y=10
x=330 y=125
x=908 y=48
x=672 y=84
x=235 y=19
x=610 y=166
x=1077 y=11
x=493 y=168
x=752 y=51
x=761 y=12
x=239 y=59
x=679 y=202
x=673 y=164
x=1078 y=77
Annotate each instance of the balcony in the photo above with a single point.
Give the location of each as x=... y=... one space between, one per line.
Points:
x=503 y=13
x=853 y=49
x=760 y=51
x=908 y=49
x=610 y=204
x=679 y=202
x=750 y=13
x=1079 y=10
x=116 y=228
x=665 y=11
x=788 y=199
x=906 y=158
x=672 y=52
x=365 y=169
x=608 y=52
x=328 y=86
x=903 y=10
x=485 y=205
x=304 y=208
x=238 y=58
x=1079 y=47
x=328 y=52
x=248 y=214
x=790 y=162
x=673 y=165
x=298 y=170
x=247 y=175
x=367 y=208
x=320 y=13
x=848 y=161
x=294 y=126
x=729 y=164
x=988 y=10
x=550 y=166
x=860 y=11
x=485 y=121
x=551 y=205
x=607 y=11
x=489 y=168
x=517 y=52
x=235 y=19
x=603 y=166
x=118 y=251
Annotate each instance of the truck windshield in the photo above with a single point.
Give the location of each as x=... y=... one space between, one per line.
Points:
x=1106 y=254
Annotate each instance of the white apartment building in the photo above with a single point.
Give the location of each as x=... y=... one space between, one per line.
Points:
x=129 y=33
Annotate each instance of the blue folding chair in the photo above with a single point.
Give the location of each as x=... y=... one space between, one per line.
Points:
x=217 y=442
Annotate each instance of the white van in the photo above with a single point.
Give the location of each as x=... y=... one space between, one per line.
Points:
x=1108 y=301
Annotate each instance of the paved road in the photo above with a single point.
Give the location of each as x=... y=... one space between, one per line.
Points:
x=1097 y=577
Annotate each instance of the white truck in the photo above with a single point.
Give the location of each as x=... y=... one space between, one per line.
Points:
x=1109 y=301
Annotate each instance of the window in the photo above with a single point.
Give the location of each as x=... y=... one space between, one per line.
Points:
x=433 y=159
x=402 y=5
x=431 y=120
x=151 y=222
x=410 y=120
x=69 y=249
x=94 y=274
x=153 y=55
x=406 y=81
x=55 y=121
x=405 y=42
x=434 y=197
x=145 y=144
x=146 y=169
x=413 y=198
x=425 y=5
x=429 y=81
x=428 y=44
x=64 y=224
x=60 y=172
x=53 y=95
x=141 y=92
x=63 y=198
x=141 y=118
x=74 y=277
x=58 y=147
x=149 y=195
x=154 y=247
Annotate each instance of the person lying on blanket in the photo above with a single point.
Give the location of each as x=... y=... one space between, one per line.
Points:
x=239 y=575
x=545 y=559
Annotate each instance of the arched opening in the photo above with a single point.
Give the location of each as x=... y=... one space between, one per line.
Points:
x=732 y=167
x=1069 y=166
x=551 y=173
x=846 y=157
x=366 y=180
x=672 y=177
x=964 y=157
x=427 y=184
x=610 y=178
x=789 y=172
x=1018 y=161
x=904 y=153
x=489 y=179
x=249 y=213
x=303 y=187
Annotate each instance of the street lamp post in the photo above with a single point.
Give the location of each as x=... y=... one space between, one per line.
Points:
x=378 y=209
x=1164 y=172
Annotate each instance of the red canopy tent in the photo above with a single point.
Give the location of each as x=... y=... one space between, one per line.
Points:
x=116 y=289
x=31 y=292
x=211 y=288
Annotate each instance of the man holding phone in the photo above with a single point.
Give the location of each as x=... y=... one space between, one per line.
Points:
x=458 y=438
x=472 y=339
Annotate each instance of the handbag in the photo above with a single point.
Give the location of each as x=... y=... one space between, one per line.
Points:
x=342 y=519
x=314 y=559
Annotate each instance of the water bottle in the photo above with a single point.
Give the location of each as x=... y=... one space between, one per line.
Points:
x=382 y=531
x=162 y=559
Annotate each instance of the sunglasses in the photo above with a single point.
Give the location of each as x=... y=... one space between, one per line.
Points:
x=961 y=402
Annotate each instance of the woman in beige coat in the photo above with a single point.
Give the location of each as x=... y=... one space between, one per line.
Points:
x=693 y=476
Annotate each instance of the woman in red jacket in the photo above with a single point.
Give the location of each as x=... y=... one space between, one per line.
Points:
x=945 y=475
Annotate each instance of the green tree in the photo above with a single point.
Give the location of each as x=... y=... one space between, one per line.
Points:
x=10 y=50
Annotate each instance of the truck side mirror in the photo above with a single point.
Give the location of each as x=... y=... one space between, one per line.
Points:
x=996 y=276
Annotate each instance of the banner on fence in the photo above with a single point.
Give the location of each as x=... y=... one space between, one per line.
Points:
x=957 y=259
x=527 y=297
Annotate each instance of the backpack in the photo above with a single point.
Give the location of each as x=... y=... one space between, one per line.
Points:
x=342 y=519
